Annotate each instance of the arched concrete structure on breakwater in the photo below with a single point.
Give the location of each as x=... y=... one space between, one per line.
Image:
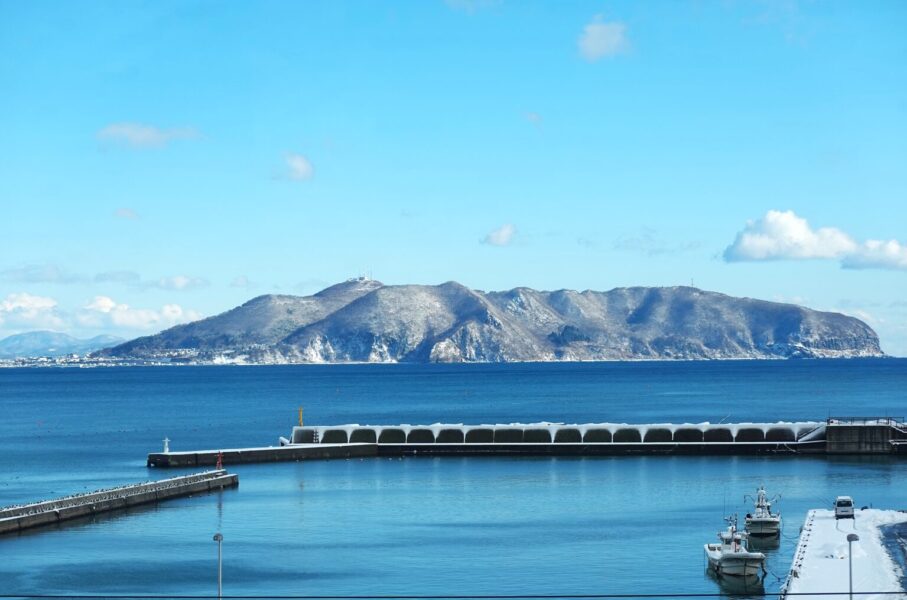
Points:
x=836 y=435
x=560 y=438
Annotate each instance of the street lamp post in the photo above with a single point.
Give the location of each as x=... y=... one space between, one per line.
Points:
x=219 y=539
x=851 y=538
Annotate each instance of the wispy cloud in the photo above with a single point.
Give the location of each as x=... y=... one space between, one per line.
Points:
x=125 y=277
x=177 y=282
x=534 y=118
x=126 y=213
x=299 y=168
x=471 y=6
x=241 y=282
x=50 y=273
x=783 y=15
x=502 y=236
x=602 y=39
x=782 y=235
x=649 y=243
x=138 y=135
x=47 y=273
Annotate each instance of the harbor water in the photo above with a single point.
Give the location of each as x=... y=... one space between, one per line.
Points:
x=429 y=526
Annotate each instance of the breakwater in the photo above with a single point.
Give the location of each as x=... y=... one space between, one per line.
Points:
x=286 y=453
x=839 y=435
x=25 y=516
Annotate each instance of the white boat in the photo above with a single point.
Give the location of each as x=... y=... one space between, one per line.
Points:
x=762 y=522
x=731 y=555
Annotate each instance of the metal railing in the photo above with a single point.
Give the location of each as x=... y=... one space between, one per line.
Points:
x=895 y=421
x=104 y=495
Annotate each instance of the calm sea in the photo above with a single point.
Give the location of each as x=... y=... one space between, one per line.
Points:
x=418 y=525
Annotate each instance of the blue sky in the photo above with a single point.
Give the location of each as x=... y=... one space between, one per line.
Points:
x=162 y=161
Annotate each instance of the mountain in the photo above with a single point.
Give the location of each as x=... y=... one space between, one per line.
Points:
x=363 y=320
x=262 y=321
x=49 y=343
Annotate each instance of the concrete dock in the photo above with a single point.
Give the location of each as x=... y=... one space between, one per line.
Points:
x=821 y=560
x=17 y=518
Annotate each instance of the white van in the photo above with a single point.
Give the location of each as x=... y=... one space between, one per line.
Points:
x=843 y=507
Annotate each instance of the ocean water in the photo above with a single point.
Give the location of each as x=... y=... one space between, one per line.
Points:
x=429 y=526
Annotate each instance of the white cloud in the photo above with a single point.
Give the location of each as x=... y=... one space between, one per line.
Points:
x=602 y=39
x=534 y=118
x=502 y=236
x=137 y=135
x=298 y=167
x=104 y=311
x=26 y=310
x=782 y=235
x=878 y=254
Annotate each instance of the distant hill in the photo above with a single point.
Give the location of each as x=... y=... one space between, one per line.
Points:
x=49 y=343
x=363 y=320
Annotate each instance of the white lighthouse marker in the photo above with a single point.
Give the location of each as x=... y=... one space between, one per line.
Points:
x=166 y=445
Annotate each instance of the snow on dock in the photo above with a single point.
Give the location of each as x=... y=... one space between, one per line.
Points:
x=820 y=563
x=561 y=433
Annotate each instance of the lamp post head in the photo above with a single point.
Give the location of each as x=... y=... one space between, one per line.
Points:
x=852 y=537
x=218 y=537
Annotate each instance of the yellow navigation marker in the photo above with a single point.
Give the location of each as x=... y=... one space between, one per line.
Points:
x=300 y=416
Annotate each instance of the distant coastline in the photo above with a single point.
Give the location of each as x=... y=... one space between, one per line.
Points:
x=96 y=363
x=364 y=321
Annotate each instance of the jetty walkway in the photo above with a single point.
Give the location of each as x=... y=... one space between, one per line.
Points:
x=836 y=435
x=17 y=518
x=820 y=564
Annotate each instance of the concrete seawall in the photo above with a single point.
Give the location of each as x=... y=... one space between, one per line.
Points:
x=866 y=436
x=603 y=449
x=17 y=518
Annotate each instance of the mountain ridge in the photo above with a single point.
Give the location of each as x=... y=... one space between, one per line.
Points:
x=363 y=320
x=34 y=344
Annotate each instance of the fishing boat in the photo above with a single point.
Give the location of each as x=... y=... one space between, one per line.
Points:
x=762 y=522
x=731 y=556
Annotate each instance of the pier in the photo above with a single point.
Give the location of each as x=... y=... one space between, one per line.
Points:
x=200 y=458
x=17 y=518
x=822 y=560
